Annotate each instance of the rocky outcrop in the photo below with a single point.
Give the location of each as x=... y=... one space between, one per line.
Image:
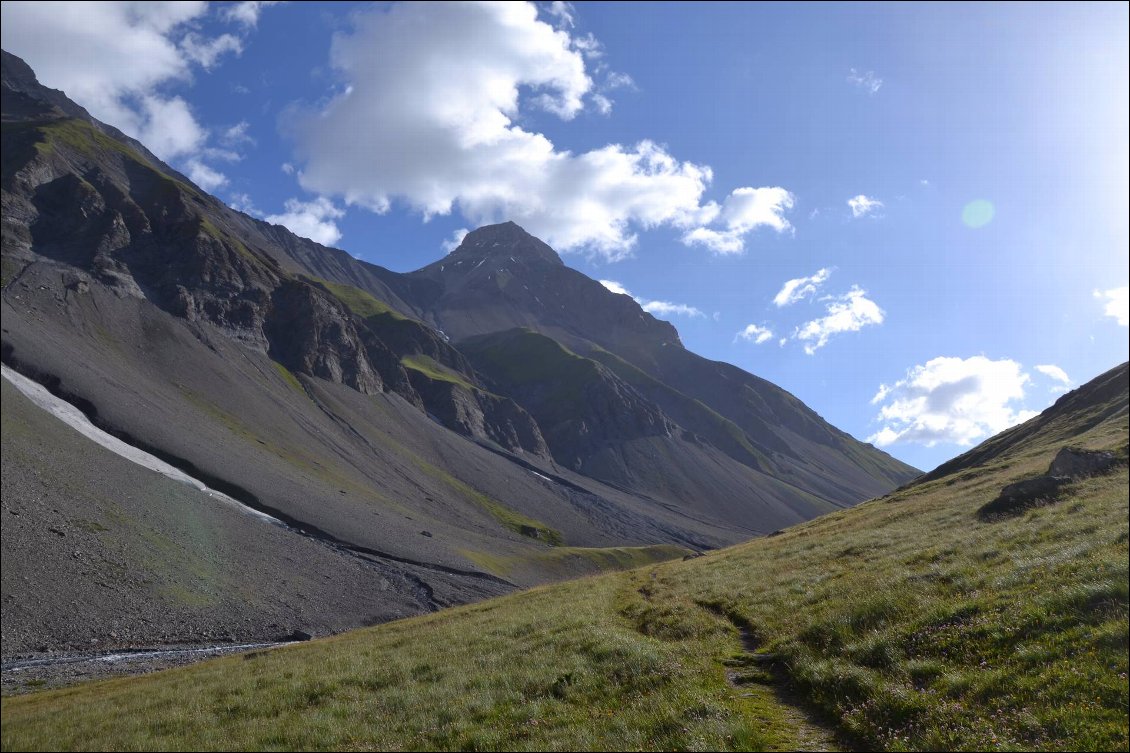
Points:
x=1070 y=464
x=1023 y=495
x=581 y=406
x=313 y=334
x=1076 y=462
x=475 y=413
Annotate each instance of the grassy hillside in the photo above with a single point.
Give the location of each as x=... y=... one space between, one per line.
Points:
x=904 y=623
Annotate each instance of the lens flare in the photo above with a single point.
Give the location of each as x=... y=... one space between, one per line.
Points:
x=978 y=213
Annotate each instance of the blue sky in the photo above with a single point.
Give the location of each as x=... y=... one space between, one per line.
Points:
x=945 y=185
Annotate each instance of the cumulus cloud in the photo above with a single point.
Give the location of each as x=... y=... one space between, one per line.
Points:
x=755 y=334
x=241 y=202
x=866 y=80
x=236 y=135
x=801 y=288
x=169 y=128
x=1116 y=303
x=247 y=13
x=107 y=55
x=431 y=114
x=310 y=219
x=207 y=52
x=1054 y=372
x=743 y=210
x=667 y=309
x=206 y=177
x=849 y=312
x=616 y=287
x=951 y=400
x=563 y=14
x=656 y=308
x=456 y=238
x=117 y=59
x=861 y=205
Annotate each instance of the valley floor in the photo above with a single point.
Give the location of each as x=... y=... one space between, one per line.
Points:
x=908 y=623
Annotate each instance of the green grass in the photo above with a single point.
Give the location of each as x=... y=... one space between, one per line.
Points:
x=564 y=668
x=906 y=623
x=522 y=356
x=79 y=135
x=566 y=561
x=289 y=378
x=521 y=359
x=358 y=301
x=432 y=369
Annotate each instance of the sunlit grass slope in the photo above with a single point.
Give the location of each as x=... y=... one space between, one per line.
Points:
x=906 y=623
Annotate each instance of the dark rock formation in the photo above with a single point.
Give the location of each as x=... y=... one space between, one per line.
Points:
x=1070 y=464
x=1075 y=462
x=1023 y=495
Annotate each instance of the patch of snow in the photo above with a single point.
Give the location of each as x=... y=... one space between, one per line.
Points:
x=77 y=420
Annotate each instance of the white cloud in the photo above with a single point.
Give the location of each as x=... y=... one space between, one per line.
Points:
x=618 y=81
x=615 y=287
x=951 y=400
x=287 y=168
x=801 y=288
x=241 y=202
x=433 y=101
x=110 y=57
x=866 y=80
x=755 y=334
x=207 y=52
x=169 y=128
x=744 y=210
x=1054 y=372
x=589 y=46
x=205 y=177
x=861 y=205
x=666 y=308
x=850 y=312
x=456 y=238
x=237 y=135
x=310 y=219
x=656 y=308
x=247 y=13
x=118 y=59
x=1116 y=305
x=563 y=13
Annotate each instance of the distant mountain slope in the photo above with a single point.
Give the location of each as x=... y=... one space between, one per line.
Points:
x=905 y=623
x=501 y=277
x=334 y=394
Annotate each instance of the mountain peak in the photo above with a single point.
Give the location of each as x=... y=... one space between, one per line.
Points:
x=506 y=239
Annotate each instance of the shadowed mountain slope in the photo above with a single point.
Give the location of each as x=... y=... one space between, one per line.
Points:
x=341 y=398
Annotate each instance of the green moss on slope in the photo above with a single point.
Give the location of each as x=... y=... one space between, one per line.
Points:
x=432 y=369
x=358 y=301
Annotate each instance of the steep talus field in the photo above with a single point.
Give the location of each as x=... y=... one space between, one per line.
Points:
x=352 y=403
x=906 y=623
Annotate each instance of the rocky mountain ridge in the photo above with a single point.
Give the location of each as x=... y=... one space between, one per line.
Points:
x=459 y=423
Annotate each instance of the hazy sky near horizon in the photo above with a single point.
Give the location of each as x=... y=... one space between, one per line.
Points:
x=914 y=217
